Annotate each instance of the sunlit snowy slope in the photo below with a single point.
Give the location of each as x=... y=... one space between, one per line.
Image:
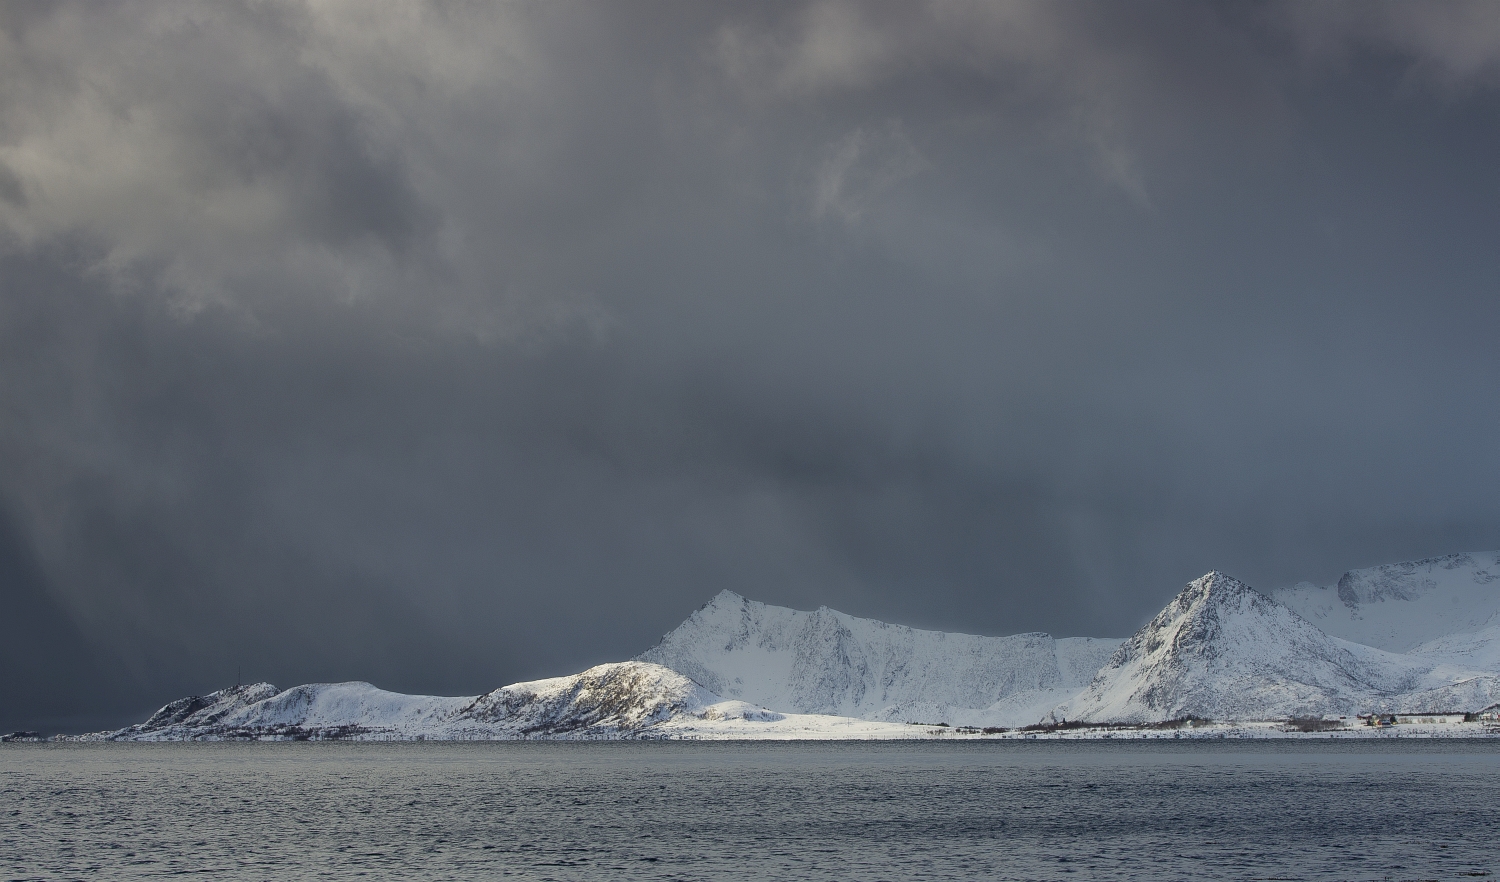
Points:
x=827 y=662
x=1223 y=651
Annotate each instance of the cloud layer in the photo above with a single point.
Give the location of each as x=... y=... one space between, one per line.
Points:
x=443 y=346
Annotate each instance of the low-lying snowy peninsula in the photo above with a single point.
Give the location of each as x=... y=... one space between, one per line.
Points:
x=1404 y=650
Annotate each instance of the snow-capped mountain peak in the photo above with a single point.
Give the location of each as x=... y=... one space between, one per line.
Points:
x=1220 y=650
x=1194 y=620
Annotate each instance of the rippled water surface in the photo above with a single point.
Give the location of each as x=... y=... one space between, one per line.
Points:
x=733 y=811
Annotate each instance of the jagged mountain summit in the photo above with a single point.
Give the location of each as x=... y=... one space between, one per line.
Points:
x=625 y=700
x=1223 y=651
x=1399 y=606
x=827 y=662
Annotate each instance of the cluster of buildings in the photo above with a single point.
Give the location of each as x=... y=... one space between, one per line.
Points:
x=1490 y=714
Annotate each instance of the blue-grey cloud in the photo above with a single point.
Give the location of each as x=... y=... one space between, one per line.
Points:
x=446 y=345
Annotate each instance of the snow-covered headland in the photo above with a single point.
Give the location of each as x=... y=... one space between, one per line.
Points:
x=1220 y=661
x=625 y=700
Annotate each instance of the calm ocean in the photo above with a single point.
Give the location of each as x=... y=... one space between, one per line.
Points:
x=1302 y=810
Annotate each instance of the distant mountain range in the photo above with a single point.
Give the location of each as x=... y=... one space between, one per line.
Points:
x=1416 y=637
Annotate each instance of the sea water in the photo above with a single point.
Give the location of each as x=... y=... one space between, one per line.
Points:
x=1299 y=810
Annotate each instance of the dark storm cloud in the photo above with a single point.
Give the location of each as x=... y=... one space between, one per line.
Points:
x=447 y=345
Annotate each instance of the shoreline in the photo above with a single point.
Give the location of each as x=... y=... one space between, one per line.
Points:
x=1261 y=730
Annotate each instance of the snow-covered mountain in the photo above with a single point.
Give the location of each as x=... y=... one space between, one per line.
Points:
x=1221 y=650
x=1400 y=606
x=627 y=700
x=826 y=662
x=1415 y=637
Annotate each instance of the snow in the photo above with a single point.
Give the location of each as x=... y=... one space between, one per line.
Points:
x=1400 y=606
x=614 y=698
x=331 y=705
x=1480 y=649
x=196 y=712
x=770 y=726
x=827 y=662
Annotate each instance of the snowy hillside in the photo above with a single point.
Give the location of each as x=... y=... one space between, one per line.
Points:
x=1223 y=651
x=625 y=697
x=1478 y=649
x=827 y=662
x=201 y=711
x=624 y=700
x=327 y=706
x=1402 y=605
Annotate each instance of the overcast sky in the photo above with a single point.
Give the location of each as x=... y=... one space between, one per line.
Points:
x=447 y=346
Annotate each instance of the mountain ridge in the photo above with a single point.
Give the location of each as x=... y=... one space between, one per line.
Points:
x=825 y=661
